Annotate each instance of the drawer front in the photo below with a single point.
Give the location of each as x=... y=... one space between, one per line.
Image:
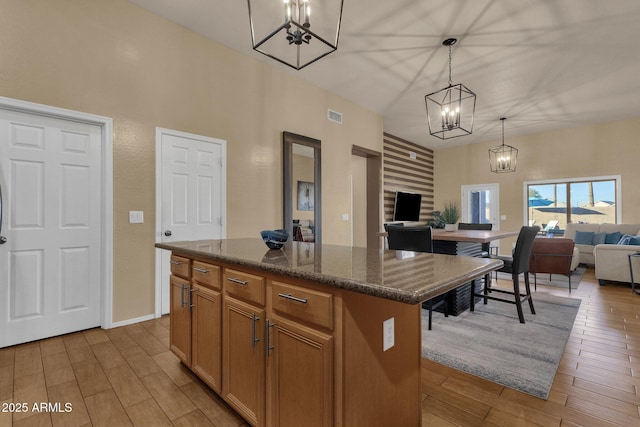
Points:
x=206 y=274
x=244 y=285
x=181 y=266
x=304 y=304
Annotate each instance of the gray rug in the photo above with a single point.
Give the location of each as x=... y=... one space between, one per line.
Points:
x=492 y=344
x=557 y=280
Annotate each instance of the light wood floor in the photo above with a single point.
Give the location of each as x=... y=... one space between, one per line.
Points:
x=597 y=382
x=127 y=376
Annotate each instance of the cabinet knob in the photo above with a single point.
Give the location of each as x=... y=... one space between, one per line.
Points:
x=168 y=233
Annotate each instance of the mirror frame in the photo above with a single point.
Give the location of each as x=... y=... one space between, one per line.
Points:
x=288 y=139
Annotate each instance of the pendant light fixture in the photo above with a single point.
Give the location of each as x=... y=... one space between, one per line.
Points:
x=450 y=110
x=503 y=159
x=295 y=32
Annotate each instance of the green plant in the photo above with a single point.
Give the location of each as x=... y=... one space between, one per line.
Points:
x=451 y=213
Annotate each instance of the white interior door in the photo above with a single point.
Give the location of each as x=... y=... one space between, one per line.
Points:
x=191 y=196
x=481 y=204
x=51 y=262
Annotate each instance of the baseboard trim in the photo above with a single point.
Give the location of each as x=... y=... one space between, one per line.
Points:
x=132 y=321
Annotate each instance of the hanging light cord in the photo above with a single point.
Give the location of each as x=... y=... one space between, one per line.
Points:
x=450 y=65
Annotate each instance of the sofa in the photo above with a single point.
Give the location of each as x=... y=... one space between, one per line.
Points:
x=608 y=256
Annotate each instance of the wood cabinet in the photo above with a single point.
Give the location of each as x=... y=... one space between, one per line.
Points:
x=300 y=360
x=300 y=376
x=206 y=348
x=288 y=352
x=195 y=318
x=243 y=370
x=180 y=312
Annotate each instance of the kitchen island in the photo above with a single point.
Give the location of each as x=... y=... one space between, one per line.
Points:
x=308 y=334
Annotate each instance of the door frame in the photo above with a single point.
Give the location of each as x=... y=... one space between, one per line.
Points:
x=106 y=183
x=494 y=188
x=158 y=228
x=374 y=195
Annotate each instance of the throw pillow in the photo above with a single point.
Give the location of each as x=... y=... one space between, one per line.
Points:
x=612 y=238
x=583 y=237
x=598 y=238
x=629 y=239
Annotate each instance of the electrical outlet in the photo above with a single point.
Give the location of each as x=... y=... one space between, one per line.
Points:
x=388 y=339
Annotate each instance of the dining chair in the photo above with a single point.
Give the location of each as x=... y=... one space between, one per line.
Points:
x=416 y=239
x=515 y=265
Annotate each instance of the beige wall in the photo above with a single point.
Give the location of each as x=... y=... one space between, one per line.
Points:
x=111 y=58
x=594 y=150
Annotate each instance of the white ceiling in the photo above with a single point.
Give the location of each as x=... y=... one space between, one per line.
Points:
x=543 y=64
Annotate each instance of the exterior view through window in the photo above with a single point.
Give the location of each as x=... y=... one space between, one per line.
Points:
x=552 y=205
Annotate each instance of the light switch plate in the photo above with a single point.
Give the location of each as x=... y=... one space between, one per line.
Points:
x=388 y=339
x=136 y=217
x=345 y=217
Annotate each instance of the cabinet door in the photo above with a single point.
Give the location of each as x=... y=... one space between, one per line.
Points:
x=300 y=376
x=243 y=372
x=180 y=319
x=206 y=320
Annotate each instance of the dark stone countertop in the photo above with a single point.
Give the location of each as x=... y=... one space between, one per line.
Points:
x=402 y=276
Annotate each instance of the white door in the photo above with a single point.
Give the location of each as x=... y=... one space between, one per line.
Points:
x=191 y=196
x=51 y=262
x=481 y=204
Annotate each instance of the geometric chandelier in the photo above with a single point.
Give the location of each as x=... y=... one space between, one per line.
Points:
x=294 y=33
x=503 y=158
x=450 y=110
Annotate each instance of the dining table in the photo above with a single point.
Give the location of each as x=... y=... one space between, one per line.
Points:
x=467 y=242
x=474 y=243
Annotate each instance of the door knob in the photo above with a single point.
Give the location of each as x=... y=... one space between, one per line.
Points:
x=167 y=233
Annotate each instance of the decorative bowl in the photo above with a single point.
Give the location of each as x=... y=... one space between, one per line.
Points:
x=274 y=239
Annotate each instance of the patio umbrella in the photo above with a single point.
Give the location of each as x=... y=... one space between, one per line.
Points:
x=535 y=202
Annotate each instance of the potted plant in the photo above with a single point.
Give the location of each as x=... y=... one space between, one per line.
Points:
x=450 y=216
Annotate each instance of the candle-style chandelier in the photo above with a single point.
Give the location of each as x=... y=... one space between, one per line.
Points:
x=293 y=33
x=503 y=158
x=450 y=110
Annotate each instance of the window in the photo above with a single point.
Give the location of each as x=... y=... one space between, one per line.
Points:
x=592 y=200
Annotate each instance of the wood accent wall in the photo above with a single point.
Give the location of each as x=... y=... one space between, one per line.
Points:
x=401 y=173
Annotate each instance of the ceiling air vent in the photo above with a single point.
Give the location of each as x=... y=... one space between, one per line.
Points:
x=334 y=116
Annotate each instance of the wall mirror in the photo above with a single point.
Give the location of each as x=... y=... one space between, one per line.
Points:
x=302 y=187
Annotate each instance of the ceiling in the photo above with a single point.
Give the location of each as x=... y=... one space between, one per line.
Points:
x=543 y=64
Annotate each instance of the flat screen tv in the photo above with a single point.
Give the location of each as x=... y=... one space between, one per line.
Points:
x=407 y=206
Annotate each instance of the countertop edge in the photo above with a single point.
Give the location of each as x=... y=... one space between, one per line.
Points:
x=375 y=290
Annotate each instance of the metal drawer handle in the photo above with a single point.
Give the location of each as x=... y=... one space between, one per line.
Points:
x=237 y=281
x=254 y=340
x=175 y=262
x=183 y=302
x=292 y=298
x=200 y=270
x=268 y=347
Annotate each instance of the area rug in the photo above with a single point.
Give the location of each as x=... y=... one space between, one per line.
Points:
x=492 y=344
x=557 y=280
